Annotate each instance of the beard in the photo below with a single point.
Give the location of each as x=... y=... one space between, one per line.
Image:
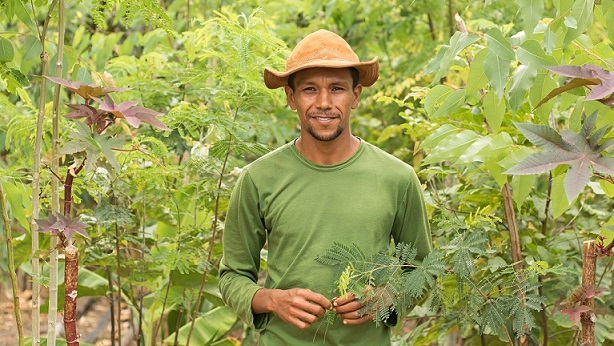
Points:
x=323 y=137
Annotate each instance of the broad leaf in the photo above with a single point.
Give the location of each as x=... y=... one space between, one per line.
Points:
x=209 y=328
x=133 y=115
x=494 y=111
x=531 y=53
x=477 y=78
x=567 y=148
x=7 y=53
x=531 y=11
x=497 y=70
x=499 y=45
x=87 y=91
x=521 y=82
x=586 y=75
x=452 y=103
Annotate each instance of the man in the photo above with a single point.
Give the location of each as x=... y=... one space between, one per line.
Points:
x=326 y=186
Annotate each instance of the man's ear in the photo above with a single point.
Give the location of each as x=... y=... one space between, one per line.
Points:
x=357 y=90
x=290 y=97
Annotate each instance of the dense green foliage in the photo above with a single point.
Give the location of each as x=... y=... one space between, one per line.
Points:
x=466 y=100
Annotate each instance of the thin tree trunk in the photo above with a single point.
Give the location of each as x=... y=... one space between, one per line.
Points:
x=11 y=260
x=514 y=240
x=55 y=195
x=511 y=223
x=70 y=294
x=589 y=272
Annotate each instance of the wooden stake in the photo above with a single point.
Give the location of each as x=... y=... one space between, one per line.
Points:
x=589 y=270
x=70 y=294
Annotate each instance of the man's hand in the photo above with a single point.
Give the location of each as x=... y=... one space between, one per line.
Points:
x=297 y=306
x=349 y=309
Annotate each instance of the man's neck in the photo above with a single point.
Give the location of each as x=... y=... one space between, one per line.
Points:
x=327 y=152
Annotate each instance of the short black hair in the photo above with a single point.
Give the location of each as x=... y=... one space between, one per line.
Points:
x=353 y=71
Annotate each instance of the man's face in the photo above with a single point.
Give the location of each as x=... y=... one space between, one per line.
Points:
x=323 y=99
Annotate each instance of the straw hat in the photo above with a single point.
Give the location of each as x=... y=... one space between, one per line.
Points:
x=323 y=49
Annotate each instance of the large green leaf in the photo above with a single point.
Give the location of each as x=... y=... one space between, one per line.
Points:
x=531 y=12
x=19 y=198
x=436 y=96
x=477 y=78
x=522 y=81
x=458 y=42
x=32 y=49
x=452 y=147
x=209 y=328
x=542 y=86
x=494 y=111
x=7 y=53
x=438 y=135
x=578 y=20
x=531 y=53
x=451 y=104
x=497 y=70
x=499 y=45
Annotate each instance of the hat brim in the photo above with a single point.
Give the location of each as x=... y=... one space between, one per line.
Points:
x=368 y=71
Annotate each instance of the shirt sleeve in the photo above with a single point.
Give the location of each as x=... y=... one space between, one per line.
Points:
x=244 y=237
x=411 y=224
x=412 y=227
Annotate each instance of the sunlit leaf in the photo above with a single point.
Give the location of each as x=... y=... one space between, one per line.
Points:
x=531 y=11
x=499 y=45
x=497 y=70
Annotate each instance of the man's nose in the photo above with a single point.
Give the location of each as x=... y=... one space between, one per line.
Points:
x=324 y=100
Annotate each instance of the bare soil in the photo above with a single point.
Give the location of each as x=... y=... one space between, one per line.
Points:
x=93 y=320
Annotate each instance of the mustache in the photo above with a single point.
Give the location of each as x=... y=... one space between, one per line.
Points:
x=323 y=114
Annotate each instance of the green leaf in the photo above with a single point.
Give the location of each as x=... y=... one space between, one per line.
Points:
x=497 y=70
x=522 y=185
x=7 y=53
x=579 y=20
x=19 y=198
x=531 y=11
x=458 y=42
x=608 y=188
x=499 y=45
x=530 y=53
x=32 y=49
x=453 y=102
x=24 y=16
x=543 y=85
x=209 y=328
x=522 y=81
x=477 y=78
x=438 y=135
x=452 y=147
x=559 y=199
x=494 y=111
x=437 y=95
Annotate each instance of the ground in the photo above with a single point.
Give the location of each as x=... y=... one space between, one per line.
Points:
x=93 y=321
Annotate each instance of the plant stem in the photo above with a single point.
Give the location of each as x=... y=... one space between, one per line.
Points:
x=71 y=277
x=55 y=196
x=40 y=119
x=11 y=260
x=589 y=271
x=514 y=240
x=112 y=307
x=119 y=288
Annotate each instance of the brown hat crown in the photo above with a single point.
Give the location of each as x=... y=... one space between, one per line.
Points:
x=323 y=49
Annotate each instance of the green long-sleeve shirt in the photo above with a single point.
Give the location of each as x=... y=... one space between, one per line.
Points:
x=301 y=209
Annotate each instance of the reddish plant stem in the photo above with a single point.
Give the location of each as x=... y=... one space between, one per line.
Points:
x=589 y=272
x=70 y=176
x=70 y=294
